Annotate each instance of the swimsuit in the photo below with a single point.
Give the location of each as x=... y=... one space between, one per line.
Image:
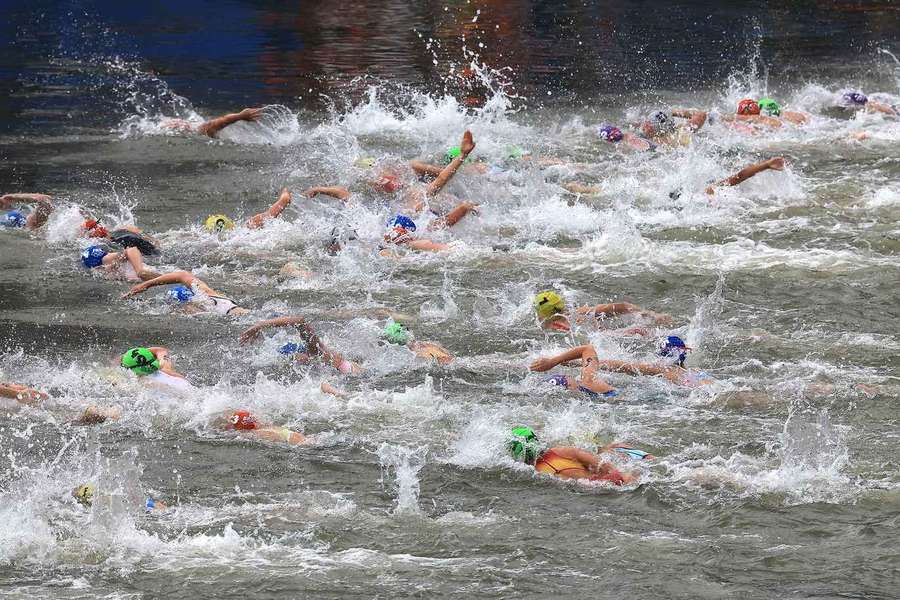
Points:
x=553 y=464
x=563 y=381
x=222 y=305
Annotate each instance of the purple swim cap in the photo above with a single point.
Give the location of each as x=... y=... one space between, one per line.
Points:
x=610 y=133
x=857 y=98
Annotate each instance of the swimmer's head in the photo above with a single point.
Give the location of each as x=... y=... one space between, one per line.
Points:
x=854 y=98
x=295 y=349
x=769 y=107
x=94 y=229
x=396 y=333
x=452 y=153
x=218 y=223
x=92 y=256
x=179 y=294
x=387 y=183
x=658 y=123
x=84 y=493
x=399 y=229
x=340 y=237
x=610 y=133
x=523 y=445
x=365 y=162
x=140 y=361
x=748 y=106
x=243 y=420
x=549 y=303
x=674 y=348
x=14 y=219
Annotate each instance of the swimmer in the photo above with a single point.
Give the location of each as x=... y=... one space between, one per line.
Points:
x=127 y=236
x=34 y=220
x=400 y=229
x=662 y=128
x=309 y=346
x=589 y=384
x=192 y=296
x=153 y=365
x=554 y=315
x=856 y=100
x=247 y=424
x=219 y=222
x=770 y=108
x=614 y=135
x=748 y=111
x=772 y=164
x=674 y=352
x=212 y=127
x=127 y=265
x=22 y=393
x=86 y=492
x=565 y=462
x=396 y=333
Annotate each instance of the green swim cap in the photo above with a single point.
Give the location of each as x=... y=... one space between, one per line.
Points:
x=140 y=361
x=769 y=107
x=452 y=153
x=366 y=162
x=524 y=445
x=396 y=333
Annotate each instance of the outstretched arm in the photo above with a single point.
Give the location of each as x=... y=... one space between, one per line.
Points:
x=21 y=393
x=775 y=164
x=422 y=168
x=548 y=362
x=258 y=220
x=631 y=368
x=251 y=333
x=623 y=308
x=447 y=173
x=341 y=193
x=454 y=216
x=214 y=126
x=696 y=117
x=183 y=277
x=880 y=107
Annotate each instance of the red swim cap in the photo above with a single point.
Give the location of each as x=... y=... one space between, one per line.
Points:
x=243 y=420
x=387 y=184
x=748 y=106
x=94 y=228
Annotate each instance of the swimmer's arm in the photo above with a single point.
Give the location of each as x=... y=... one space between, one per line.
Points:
x=624 y=308
x=589 y=369
x=590 y=460
x=341 y=193
x=454 y=216
x=251 y=333
x=577 y=188
x=880 y=107
x=329 y=389
x=423 y=168
x=7 y=200
x=42 y=207
x=214 y=126
x=430 y=350
x=277 y=434
x=95 y=415
x=184 y=277
x=630 y=368
x=776 y=164
x=21 y=393
x=546 y=363
x=696 y=117
x=258 y=220
x=450 y=170
x=761 y=120
x=427 y=246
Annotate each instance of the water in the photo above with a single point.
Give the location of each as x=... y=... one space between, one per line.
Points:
x=777 y=481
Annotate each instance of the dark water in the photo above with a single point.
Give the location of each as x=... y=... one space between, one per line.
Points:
x=778 y=481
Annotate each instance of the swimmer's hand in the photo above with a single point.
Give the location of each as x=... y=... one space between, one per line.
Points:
x=249 y=334
x=659 y=318
x=136 y=289
x=776 y=163
x=467 y=144
x=250 y=114
x=21 y=393
x=543 y=364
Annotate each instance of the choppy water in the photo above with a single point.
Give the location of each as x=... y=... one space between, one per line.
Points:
x=780 y=480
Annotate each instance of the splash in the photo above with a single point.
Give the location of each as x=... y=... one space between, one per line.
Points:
x=405 y=464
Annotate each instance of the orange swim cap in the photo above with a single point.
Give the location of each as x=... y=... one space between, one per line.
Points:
x=242 y=419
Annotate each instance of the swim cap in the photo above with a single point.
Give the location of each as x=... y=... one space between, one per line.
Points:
x=560 y=380
x=293 y=348
x=14 y=219
x=662 y=122
x=365 y=162
x=452 y=153
x=399 y=229
x=674 y=346
x=855 y=97
x=92 y=256
x=94 y=228
x=748 y=106
x=141 y=361
x=524 y=445
x=387 y=184
x=243 y=420
x=84 y=493
x=340 y=236
x=610 y=133
x=548 y=304
x=769 y=107
x=179 y=294
x=149 y=504
x=218 y=223
x=396 y=333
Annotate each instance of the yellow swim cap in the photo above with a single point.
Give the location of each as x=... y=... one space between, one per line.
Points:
x=84 y=493
x=548 y=304
x=218 y=223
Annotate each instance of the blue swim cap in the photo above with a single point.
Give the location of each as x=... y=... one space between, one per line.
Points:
x=610 y=133
x=560 y=380
x=293 y=348
x=14 y=219
x=150 y=504
x=402 y=221
x=855 y=97
x=179 y=294
x=674 y=346
x=92 y=256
